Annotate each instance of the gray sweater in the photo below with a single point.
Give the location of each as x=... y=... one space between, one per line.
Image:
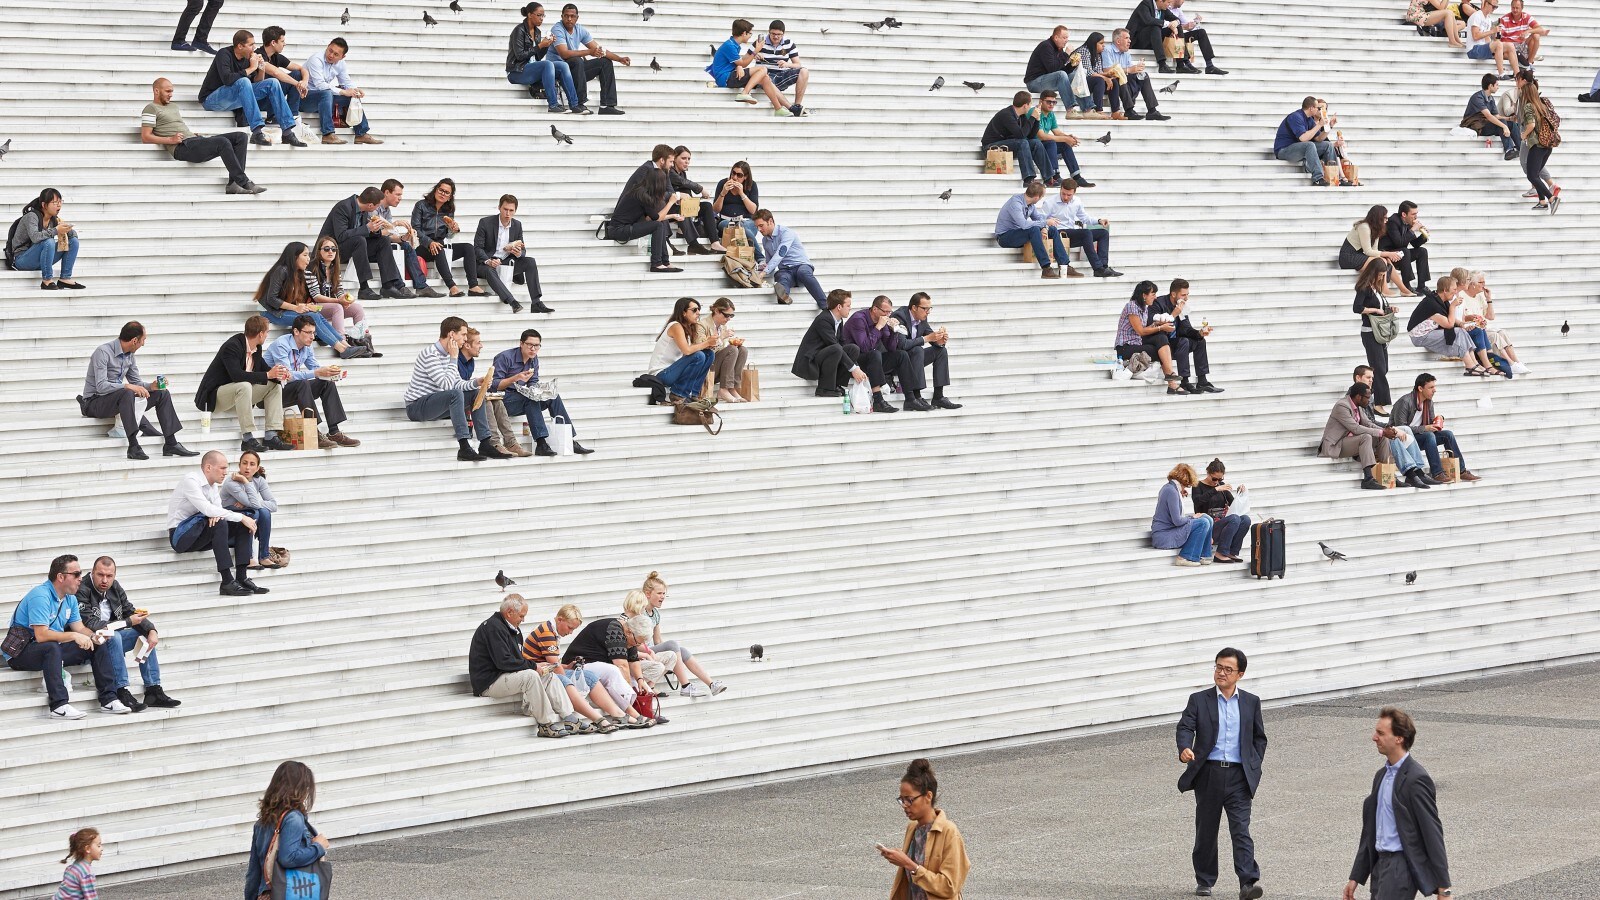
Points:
x=254 y=495
x=31 y=233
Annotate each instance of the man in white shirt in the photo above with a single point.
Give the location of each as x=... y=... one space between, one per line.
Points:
x=197 y=520
x=330 y=86
x=498 y=245
x=1483 y=35
x=1093 y=235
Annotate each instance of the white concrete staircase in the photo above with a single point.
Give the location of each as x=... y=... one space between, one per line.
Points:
x=918 y=581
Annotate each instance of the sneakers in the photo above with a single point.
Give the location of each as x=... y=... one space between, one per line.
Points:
x=717 y=687
x=783 y=113
x=115 y=708
x=155 y=696
x=1187 y=563
x=694 y=690
x=558 y=109
x=67 y=711
x=799 y=112
x=127 y=699
x=744 y=98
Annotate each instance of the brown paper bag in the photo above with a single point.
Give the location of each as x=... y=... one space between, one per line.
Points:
x=745 y=254
x=1352 y=172
x=1173 y=48
x=300 y=432
x=734 y=236
x=1452 y=467
x=1386 y=474
x=690 y=207
x=1027 y=250
x=999 y=161
x=1330 y=174
x=750 y=384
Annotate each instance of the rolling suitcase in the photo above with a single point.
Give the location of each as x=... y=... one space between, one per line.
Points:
x=1268 y=540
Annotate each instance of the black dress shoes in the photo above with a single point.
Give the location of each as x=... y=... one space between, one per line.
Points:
x=945 y=403
x=137 y=452
x=251 y=586
x=539 y=307
x=273 y=442
x=917 y=404
x=173 y=448
x=580 y=449
x=234 y=589
x=829 y=392
x=252 y=445
x=880 y=405
x=1414 y=480
x=1209 y=388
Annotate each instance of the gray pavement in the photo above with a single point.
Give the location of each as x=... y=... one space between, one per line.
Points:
x=1097 y=817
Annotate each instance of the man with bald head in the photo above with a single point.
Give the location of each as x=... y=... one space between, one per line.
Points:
x=160 y=123
x=197 y=520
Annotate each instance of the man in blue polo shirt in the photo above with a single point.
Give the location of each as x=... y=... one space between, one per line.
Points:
x=46 y=633
x=1303 y=138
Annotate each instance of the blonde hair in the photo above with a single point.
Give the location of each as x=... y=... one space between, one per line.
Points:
x=1460 y=274
x=653 y=582
x=569 y=613
x=635 y=603
x=1183 y=473
x=78 y=844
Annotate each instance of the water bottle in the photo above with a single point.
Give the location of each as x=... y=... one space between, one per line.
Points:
x=847 y=401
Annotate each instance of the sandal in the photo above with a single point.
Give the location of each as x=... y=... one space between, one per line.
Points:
x=552 y=731
x=1476 y=372
x=603 y=726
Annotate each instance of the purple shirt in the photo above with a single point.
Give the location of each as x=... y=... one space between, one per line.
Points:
x=509 y=363
x=858 y=330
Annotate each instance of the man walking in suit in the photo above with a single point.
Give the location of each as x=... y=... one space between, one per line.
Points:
x=925 y=347
x=822 y=355
x=1402 y=839
x=1222 y=740
x=498 y=244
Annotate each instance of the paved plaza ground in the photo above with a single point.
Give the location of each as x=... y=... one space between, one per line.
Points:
x=1097 y=817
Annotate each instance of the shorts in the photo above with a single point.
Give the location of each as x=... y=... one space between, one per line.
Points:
x=783 y=79
x=1480 y=51
x=738 y=81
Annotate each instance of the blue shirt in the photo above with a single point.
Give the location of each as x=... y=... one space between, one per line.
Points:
x=1388 y=840
x=783 y=249
x=1111 y=56
x=577 y=39
x=721 y=67
x=1290 y=129
x=509 y=363
x=1227 y=748
x=466 y=367
x=300 y=361
x=41 y=606
x=1018 y=213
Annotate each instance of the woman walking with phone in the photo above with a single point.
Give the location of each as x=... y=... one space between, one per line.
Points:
x=933 y=863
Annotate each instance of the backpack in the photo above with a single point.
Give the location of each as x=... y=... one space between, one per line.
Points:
x=1548 y=122
x=11 y=235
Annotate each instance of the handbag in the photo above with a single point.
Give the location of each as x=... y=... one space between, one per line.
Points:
x=354 y=115
x=645 y=705
x=313 y=882
x=697 y=412
x=562 y=435
x=1386 y=328
x=1423 y=329
x=17 y=639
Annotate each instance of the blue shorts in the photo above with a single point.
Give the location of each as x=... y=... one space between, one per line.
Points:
x=783 y=79
x=1480 y=51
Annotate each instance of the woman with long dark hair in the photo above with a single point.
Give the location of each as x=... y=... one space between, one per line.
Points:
x=1541 y=132
x=1136 y=335
x=342 y=310
x=736 y=201
x=37 y=244
x=932 y=864
x=1370 y=301
x=284 y=812
x=1361 y=244
x=683 y=353
x=433 y=218
x=282 y=295
x=1093 y=66
x=647 y=210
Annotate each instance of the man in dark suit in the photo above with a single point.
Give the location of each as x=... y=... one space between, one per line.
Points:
x=925 y=347
x=1402 y=839
x=498 y=244
x=1222 y=740
x=1401 y=235
x=1148 y=27
x=351 y=222
x=1188 y=340
x=239 y=379
x=822 y=356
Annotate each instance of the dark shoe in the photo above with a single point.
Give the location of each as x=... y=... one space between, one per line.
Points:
x=52 y=286
x=1582 y=98
x=515 y=306
x=880 y=405
x=399 y=293
x=1510 y=154
x=1251 y=891
x=137 y=452
x=368 y=295
x=291 y=139
x=1319 y=181
x=155 y=696
x=259 y=138
x=126 y=696
x=539 y=307
x=1188 y=388
x=252 y=445
x=234 y=589
x=1174 y=391
x=173 y=448
x=1187 y=68
x=184 y=47
x=1103 y=273
x=1052 y=182
x=1164 y=68
x=1427 y=479
x=235 y=187
x=1469 y=477
x=205 y=47
x=273 y=442
x=580 y=449
x=1047 y=272
x=664 y=270
x=1133 y=116
x=582 y=111
x=611 y=111
x=354 y=350
x=699 y=249
x=1412 y=480
x=1082 y=181
x=251 y=586
x=465 y=454
x=945 y=403
x=542 y=448
x=1156 y=117
x=429 y=292
x=1213 y=70
x=1114 y=273
x=917 y=404
x=829 y=392
x=1209 y=388
x=1202 y=891
x=489 y=451
x=1369 y=484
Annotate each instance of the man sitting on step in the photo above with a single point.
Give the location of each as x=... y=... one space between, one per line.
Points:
x=161 y=124
x=353 y=224
x=239 y=380
x=1403 y=447
x=1415 y=410
x=197 y=521
x=1190 y=30
x=1063 y=167
x=497 y=670
x=102 y=604
x=1187 y=340
x=498 y=246
x=401 y=235
x=924 y=346
x=54 y=636
x=1350 y=432
x=529 y=62
x=823 y=355
x=588 y=60
x=437 y=391
x=589 y=698
x=1022 y=222
x=786 y=261
x=227 y=86
x=113 y=387
x=503 y=442
x=877 y=349
x=328 y=80
x=1066 y=212
x=1149 y=27
x=517 y=369
x=308 y=382
x=1015 y=130
x=1303 y=138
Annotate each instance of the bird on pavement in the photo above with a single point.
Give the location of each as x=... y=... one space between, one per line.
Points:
x=1103 y=139
x=501 y=579
x=5 y=148
x=1169 y=89
x=654 y=66
x=427 y=19
x=948 y=193
x=824 y=31
x=560 y=138
x=875 y=26
x=937 y=83
x=345 y=19
x=1331 y=553
x=1411 y=578
x=975 y=85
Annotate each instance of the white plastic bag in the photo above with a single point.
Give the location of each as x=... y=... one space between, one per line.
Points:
x=354 y=115
x=1241 y=504
x=860 y=397
x=561 y=436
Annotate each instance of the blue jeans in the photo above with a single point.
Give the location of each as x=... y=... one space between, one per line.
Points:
x=687 y=376
x=533 y=412
x=263 y=519
x=1480 y=339
x=1096 y=244
x=1407 y=456
x=1198 y=545
x=806 y=276
x=749 y=226
x=43 y=255
x=1030 y=154
x=546 y=71
x=451 y=405
x=149 y=670
x=325 y=101
x=1308 y=153
x=1430 y=441
x=325 y=331
x=1230 y=532
x=570 y=679
x=1034 y=235
x=242 y=94
x=1060 y=82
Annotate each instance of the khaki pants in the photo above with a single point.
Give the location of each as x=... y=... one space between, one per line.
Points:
x=543 y=697
x=502 y=430
x=241 y=397
x=656 y=669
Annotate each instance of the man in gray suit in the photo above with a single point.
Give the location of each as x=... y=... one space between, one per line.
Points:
x=1351 y=432
x=925 y=346
x=1222 y=740
x=1402 y=840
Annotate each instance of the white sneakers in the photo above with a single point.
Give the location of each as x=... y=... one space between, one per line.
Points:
x=115 y=708
x=717 y=687
x=744 y=98
x=696 y=690
x=67 y=711
x=1519 y=369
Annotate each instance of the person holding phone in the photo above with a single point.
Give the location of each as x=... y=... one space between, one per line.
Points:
x=933 y=863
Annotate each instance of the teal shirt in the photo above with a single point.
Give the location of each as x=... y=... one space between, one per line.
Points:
x=41 y=606
x=1047 y=121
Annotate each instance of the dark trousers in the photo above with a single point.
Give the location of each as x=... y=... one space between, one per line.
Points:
x=523 y=268
x=533 y=412
x=1414 y=257
x=586 y=69
x=1216 y=791
x=379 y=248
x=48 y=657
x=1149 y=38
x=702 y=223
x=358 y=251
x=1096 y=244
x=1182 y=349
x=658 y=232
x=1429 y=441
x=123 y=403
x=232 y=146
x=1123 y=94
x=1061 y=157
x=1199 y=34
x=194 y=535
x=834 y=363
x=1391 y=878
x=1227 y=534
x=1538 y=157
x=192 y=9
x=441 y=261
x=880 y=364
x=928 y=354
x=306 y=391
x=1378 y=359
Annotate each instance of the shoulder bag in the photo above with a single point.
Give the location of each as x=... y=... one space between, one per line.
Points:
x=1385 y=328
x=697 y=412
x=313 y=882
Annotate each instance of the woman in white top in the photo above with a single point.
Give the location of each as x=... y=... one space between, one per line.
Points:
x=1478 y=308
x=676 y=364
x=728 y=364
x=1361 y=244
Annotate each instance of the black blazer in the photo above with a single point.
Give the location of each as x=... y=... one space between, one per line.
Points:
x=824 y=332
x=488 y=234
x=1197 y=731
x=1164 y=306
x=1416 y=818
x=227 y=367
x=915 y=331
x=1145 y=15
x=1397 y=235
x=346 y=221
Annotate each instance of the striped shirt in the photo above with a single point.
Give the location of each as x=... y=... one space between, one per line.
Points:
x=77 y=883
x=769 y=54
x=542 y=644
x=1514 y=28
x=433 y=372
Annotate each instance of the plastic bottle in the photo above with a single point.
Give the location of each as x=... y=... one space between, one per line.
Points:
x=847 y=402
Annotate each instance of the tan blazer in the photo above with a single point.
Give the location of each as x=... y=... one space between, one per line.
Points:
x=944 y=862
x=1342 y=423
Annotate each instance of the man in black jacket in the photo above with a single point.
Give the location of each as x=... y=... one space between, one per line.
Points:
x=1188 y=28
x=1148 y=27
x=925 y=346
x=359 y=232
x=822 y=356
x=227 y=86
x=103 y=603
x=239 y=379
x=1050 y=66
x=1187 y=340
x=1402 y=235
x=1222 y=741
x=1015 y=130
x=1402 y=839
x=497 y=670
x=529 y=62
x=498 y=244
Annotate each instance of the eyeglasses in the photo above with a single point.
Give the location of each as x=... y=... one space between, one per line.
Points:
x=723 y=313
x=907 y=801
x=77 y=574
x=1226 y=670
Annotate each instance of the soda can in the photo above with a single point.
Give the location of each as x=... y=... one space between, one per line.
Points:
x=161 y=382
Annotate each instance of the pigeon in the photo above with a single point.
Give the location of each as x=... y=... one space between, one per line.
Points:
x=648 y=12
x=1411 y=578
x=875 y=26
x=824 y=31
x=654 y=66
x=1169 y=89
x=757 y=652
x=1565 y=328
x=345 y=19
x=560 y=138
x=1331 y=553
x=713 y=49
x=892 y=22
x=975 y=85
x=937 y=83
x=501 y=579
x=455 y=6
x=948 y=193
x=5 y=148
x=641 y=2
x=1103 y=139
x=427 y=19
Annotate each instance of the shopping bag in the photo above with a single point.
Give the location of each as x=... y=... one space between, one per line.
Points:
x=1240 y=505
x=561 y=436
x=1386 y=474
x=1330 y=174
x=1173 y=49
x=1352 y=172
x=1452 y=466
x=750 y=384
x=999 y=161
x=1049 y=249
x=734 y=236
x=860 y=398
x=300 y=432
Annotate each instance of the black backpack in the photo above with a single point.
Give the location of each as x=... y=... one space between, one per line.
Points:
x=11 y=235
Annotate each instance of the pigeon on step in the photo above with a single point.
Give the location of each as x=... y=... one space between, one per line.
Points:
x=1103 y=139
x=975 y=85
x=501 y=579
x=1411 y=578
x=1331 y=553
x=948 y=193
x=875 y=26
x=427 y=19
x=345 y=19
x=654 y=66
x=5 y=148
x=560 y=138
x=937 y=83
x=1565 y=328
x=892 y=22
x=757 y=652
x=1169 y=89
x=455 y=6
x=648 y=12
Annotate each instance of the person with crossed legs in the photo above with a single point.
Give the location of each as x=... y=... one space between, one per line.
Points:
x=925 y=346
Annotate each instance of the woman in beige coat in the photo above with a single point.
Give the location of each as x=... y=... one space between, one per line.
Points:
x=933 y=864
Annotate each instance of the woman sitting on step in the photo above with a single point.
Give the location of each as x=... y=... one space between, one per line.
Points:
x=1478 y=307
x=1361 y=244
x=246 y=491
x=678 y=368
x=1172 y=529
x=282 y=295
x=342 y=310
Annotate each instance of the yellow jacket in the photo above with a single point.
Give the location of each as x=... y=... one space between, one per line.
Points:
x=944 y=862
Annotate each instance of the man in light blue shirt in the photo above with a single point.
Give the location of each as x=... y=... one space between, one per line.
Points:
x=1402 y=839
x=329 y=86
x=786 y=262
x=1022 y=222
x=587 y=59
x=309 y=382
x=1221 y=742
x=1138 y=80
x=57 y=637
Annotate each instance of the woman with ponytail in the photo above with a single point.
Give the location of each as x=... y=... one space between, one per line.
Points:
x=933 y=864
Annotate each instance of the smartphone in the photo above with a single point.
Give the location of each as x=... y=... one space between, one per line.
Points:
x=881 y=848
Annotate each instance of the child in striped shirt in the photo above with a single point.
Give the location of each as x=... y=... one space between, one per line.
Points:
x=77 y=883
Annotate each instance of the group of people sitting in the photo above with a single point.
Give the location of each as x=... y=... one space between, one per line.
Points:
x=771 y=65
x=1512 y=40
x=1034 y=137
x=563 y=62
x=597 y=684
x=1028 y=219
x=1215 y=531
x=1528 y=127
x=1155 y=330
x=1307 y=137
x=885 y=347
x=1408 y=436
x=229 y=515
